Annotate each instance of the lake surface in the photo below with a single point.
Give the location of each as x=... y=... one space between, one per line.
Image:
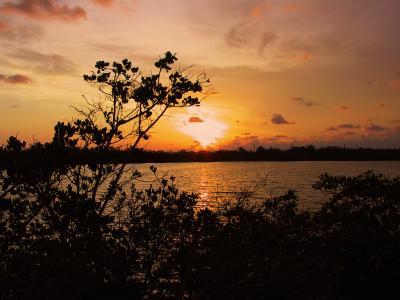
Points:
x=218 y=181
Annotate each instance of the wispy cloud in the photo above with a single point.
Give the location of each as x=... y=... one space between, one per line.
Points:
x=304 y=101
x=277 y=137
x=343 y=108
x=21 y=33
x=395 y=83
x=50 y=64
x=104 y=2
x=348 y=133
x=375 y=128
x=266 y=39
x=291 y=7
x=43 y=9
x=348 y=126
x=239 y=34
x=15 y=79
x=344 y=126
x=4 y=26
x=301 y=57
x=332 y=128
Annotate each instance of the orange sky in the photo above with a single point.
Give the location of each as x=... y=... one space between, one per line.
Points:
x=285 y=72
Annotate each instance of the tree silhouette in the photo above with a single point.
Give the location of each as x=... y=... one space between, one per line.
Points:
x=130 y=106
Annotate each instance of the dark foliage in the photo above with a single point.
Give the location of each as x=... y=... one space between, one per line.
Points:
x=75 y=155
x=157 y=243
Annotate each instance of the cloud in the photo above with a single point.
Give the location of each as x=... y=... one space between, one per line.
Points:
x=304 y=101
x=50 y=64
x=343 y=108
x=279 y=120
x=332 y=128
x=239 y=34
x=195 y=145
x=253 y=141
x=195 y=120
x=291 y=7
x=267 y=38
x=15 y=79
x=246 y=34
x=257 y=11
x=242 y=141
x=395 y=83
x=21 y=33
x=348 y=133
x=103 y=2
x=348 y=126
x=4 y=26
x=44 y=9
x=298 y=25
x=277 y=137
x=247 y=138
x=385 y=139
x=302 y=57
x=343 y=126
x=375 y=128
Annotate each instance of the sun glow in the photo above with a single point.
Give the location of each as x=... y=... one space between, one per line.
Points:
x=205 y=131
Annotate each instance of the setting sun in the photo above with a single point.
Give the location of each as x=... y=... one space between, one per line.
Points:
x=204 y=131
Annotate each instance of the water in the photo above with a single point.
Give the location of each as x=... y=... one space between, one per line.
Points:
x=221 y=180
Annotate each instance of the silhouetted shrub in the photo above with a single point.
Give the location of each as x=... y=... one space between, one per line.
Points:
x=160 y=244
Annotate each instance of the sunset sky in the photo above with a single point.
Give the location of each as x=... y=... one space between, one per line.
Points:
x=284 y=72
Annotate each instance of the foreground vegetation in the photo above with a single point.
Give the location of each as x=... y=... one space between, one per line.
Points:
x=56 y=243
x=61 y=238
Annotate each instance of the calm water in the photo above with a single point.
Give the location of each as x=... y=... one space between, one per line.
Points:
x=221 y=180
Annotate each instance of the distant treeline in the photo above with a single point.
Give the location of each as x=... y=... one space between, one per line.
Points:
x=63 y=155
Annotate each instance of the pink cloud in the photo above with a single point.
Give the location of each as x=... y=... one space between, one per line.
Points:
x=343 y=108
x=15 y=79
x=4 y=26
x=395 y=83
x=44 y=9
x=305 y=56
x=195 y=120
x=291 y=7
x=20 y=32
x=104 y=2
x=375 y=128
x=257 y=11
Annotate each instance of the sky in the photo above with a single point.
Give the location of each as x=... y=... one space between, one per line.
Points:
x=283 y=73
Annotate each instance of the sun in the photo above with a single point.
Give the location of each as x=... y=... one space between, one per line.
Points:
x=205 y=131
